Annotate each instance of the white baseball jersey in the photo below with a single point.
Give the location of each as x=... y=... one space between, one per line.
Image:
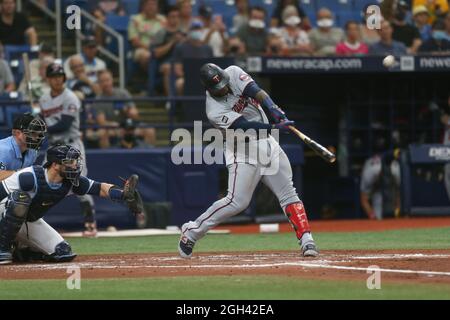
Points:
x=223 y=111
x=67 y=103
x=370 y=178
x=245 y=170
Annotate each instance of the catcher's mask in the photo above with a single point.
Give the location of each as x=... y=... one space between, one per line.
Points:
x=33 y=128
x=70 y=160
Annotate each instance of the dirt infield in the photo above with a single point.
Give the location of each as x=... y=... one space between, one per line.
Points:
x=424 y=266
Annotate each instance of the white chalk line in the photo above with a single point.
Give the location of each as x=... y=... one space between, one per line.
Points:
x=435 y=273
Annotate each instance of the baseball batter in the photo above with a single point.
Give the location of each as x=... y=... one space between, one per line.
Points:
x=233 y=102
x=380 y=183
x=61 y=111
x=28 y=194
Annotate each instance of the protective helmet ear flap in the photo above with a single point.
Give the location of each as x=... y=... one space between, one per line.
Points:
x=213 y=77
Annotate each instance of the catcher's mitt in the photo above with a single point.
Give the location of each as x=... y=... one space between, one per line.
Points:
x=131 y=196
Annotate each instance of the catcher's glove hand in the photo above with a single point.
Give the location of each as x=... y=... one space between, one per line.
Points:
x=131 y=196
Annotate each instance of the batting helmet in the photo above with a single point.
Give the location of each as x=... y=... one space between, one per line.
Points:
x=55 y=70
x=213 y=77
x=70 y=158
x=33 y=128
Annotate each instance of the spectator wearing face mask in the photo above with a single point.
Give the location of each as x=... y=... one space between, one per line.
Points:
x=404 y=32
x=439 y=43
x=254 y=35
x=352 y=46
x=296 y=40
x=193 y=47
x=325 y=37
x=277 y=16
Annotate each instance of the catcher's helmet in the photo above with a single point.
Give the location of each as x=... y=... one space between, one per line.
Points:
x=34 y=129
x=54 y=70
x=70 y=158
x=213 y=77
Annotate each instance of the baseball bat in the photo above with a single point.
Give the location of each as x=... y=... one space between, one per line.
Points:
x=319 y=149
x=26 y=64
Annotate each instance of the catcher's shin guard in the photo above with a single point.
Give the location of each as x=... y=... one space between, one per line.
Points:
x=15 y=215
x=297 y=217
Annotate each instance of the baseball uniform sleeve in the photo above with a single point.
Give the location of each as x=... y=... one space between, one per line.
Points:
x=71 y=106
x=239 y=79
x=220 y=116
x=84 y=186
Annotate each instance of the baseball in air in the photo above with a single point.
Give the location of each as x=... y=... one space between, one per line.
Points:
x=389 y=61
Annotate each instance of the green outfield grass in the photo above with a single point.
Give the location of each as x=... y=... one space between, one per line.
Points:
x=436 y=238
x=240 y=287
x=218 y=288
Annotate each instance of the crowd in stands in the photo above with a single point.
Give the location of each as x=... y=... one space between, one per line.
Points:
x=164 y=33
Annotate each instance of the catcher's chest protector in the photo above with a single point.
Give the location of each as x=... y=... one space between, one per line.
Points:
x=45 y=197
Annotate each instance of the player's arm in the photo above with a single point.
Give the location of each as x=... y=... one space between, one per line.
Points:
x=70 y=109
x=365 y=189
x=128 y=194
x=252 y=90
x=365 y=204
x=62 y=125
x=244 y=124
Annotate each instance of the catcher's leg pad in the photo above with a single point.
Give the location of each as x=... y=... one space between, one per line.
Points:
x=63 y=253
x=296 y=214
x=15 y=215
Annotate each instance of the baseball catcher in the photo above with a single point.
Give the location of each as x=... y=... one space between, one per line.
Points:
x=29 y=193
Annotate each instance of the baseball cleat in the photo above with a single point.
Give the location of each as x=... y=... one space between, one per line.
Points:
x=310 y=250
x=5 y=257
x=185 y=247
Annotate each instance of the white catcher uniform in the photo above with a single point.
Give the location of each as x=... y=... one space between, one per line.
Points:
x=52 y=109
x=247 y=169
x=373 y=186
x=37 y=235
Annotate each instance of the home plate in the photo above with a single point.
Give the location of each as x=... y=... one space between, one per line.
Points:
x=135 y=233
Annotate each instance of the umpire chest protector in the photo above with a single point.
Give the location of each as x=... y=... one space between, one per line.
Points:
x=46 y=197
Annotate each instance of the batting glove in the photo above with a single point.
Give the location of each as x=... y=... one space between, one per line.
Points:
x=284 y=126
x=278 y=115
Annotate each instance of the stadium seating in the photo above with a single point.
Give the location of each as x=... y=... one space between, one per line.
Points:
x=9 y=112
x=131 y=6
